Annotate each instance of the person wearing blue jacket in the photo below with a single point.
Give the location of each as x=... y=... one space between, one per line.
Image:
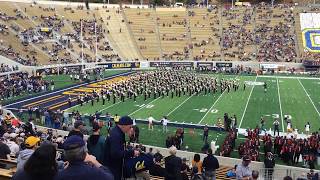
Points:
x=115 y=149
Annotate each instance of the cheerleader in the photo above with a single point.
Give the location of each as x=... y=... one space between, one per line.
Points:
x=307 y=128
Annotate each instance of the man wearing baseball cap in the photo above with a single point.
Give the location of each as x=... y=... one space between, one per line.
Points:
x=243 y=171
x=77 y=130
x=116 y=152
x=82 y=166
x=31 y=144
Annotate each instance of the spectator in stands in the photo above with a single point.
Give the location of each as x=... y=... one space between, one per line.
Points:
x=4 y=151
x=31 y=144
x=197 y=162
x=196 y=175
x=30 y=127
x=96 y=143
x=14 y=147
x=243 y=170
x=269 y=163
x=157 y=156
x=232 y=172
x=157 y=169
x=115 y=152
x=210 y=165
x=255 y=175
x=81 y=165
x=173 y=165
x=78 y=127
x=41 y=165
x=185 y=169
x=287 y=178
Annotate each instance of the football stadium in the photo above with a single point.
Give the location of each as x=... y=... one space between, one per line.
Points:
x=173 y=90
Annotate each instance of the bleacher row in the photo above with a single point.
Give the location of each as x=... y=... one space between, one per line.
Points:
x=220 y=174
x=36 y=34
x=6 y=173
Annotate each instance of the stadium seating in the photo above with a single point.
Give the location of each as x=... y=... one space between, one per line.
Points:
x=143 y=26
x=205 y=29
x=260 y=33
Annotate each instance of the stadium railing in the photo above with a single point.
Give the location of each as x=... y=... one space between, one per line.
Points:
x=280 y=171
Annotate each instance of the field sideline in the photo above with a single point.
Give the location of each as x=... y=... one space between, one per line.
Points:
x=295 y=97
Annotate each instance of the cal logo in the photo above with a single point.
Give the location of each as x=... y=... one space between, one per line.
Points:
x=310 y=29
x=311 y=39
x=140 y=165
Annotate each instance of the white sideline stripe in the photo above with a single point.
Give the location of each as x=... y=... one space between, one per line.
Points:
x=289 y=77
x=245 y=109
x=280 y=105
x=309 y=98
x=83 y=84
x=143 y=106
x=109 y=106
x=211 y=107
x=180 y=105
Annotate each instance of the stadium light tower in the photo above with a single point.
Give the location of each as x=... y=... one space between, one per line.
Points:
x=81 y=37
x=96 y=45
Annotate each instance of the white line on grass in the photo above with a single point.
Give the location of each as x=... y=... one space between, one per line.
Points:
x=109 y=106
x=309 y=97
x=144 y=106
x=180 y=105
x=245 y=109
x=211 y=107
x=280 y=105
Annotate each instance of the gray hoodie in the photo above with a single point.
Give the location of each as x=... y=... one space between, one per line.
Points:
x=23 y=157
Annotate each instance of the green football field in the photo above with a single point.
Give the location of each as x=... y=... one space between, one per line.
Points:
x=295 y=97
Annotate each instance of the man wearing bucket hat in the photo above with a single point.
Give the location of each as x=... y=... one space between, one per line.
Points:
x=116 y=153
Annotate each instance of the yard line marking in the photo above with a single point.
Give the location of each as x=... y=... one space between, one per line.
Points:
x=110 y=106
x=144 y=106
x=245 y=109
x=211 y=107
x=280 y=105
x=309 y=97
x=180 y=105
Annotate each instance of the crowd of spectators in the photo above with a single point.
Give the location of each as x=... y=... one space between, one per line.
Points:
x=7 y=68
x=260 y=32
x=51 y=37
x=20 y=83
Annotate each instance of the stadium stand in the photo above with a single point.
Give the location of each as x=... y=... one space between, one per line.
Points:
x=142 y=23
x=38 y=34
x=205 y=30
x=174 y=33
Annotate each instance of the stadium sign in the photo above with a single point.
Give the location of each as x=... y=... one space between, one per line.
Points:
x=269 y=66
x=120 y=65
x=309 y=63
x=205 y=64
x=170 y=64
x=221 y=64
